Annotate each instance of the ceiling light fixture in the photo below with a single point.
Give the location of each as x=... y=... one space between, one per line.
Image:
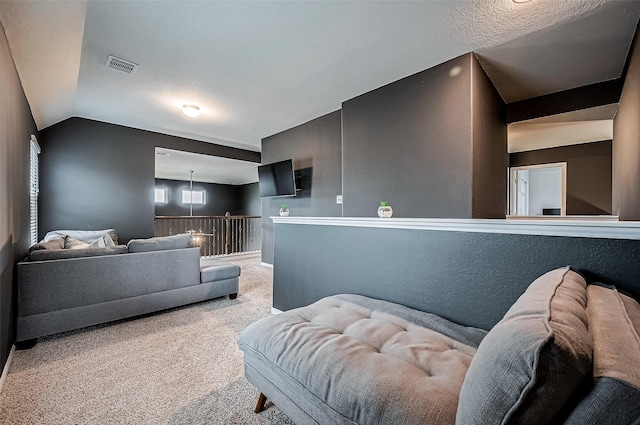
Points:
x=191 y=110
x=521 y=1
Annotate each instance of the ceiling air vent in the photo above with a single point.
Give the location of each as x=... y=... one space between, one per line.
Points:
x=121 y=65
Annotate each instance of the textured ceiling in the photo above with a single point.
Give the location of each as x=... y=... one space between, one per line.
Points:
x=258 y=68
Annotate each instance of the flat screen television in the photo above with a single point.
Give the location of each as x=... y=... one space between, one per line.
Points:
x=277 y=179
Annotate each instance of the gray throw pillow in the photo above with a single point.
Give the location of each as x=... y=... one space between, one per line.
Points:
x=531 y=362
x=614 y=322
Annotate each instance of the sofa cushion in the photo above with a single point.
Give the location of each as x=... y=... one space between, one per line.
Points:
x=614 y=323
x=160 y=243
x=531 y=362
x=59 y=254
x=213 y=269
x=363 y=361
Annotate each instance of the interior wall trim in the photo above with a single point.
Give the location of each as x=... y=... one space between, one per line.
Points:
x=587 y=227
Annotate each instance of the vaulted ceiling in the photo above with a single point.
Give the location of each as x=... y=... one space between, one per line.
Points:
x=258 y=68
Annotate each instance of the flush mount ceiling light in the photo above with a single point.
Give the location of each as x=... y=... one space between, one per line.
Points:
x=521 y=1
x=191 y=110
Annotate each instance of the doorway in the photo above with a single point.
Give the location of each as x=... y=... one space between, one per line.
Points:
x=538 y=190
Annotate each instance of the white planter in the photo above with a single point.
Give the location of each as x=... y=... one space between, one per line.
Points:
x=284 y=212
x=385 y=212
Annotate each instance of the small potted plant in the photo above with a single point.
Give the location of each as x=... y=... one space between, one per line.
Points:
x=284 y=211
x=385 y=210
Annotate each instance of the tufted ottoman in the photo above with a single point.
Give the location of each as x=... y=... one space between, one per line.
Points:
x=350 y=359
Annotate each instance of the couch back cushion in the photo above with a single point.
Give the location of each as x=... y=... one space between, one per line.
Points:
x=160 y=243
x=531 y=362
x=614 y=323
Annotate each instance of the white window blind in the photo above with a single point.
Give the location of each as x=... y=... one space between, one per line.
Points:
x=34 y=151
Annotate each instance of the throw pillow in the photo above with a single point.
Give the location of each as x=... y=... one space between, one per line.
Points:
x=104 y=241
x=52 y=244
x=614 y=322
x=73 y=243
x=531 y=362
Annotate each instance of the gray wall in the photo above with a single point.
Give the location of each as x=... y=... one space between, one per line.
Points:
x=16 y=127
x=588 y=174
x=490 y=156
x=598 y=94
x=219 y=198
x=98 y=175
x=409 y=143
x=626 y=142
x=432 y=145
x=468 y=277
x=249 y=199
x=316 y=153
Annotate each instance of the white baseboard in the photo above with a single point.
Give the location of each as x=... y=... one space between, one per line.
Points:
x=266 y=265
x=275 y=310
x=5 y=370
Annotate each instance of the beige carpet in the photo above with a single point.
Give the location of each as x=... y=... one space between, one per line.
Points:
x=182 y=366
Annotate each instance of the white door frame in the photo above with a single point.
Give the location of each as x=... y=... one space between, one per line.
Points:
x=512 y=194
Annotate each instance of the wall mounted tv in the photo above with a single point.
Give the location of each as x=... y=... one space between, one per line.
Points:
x=277 y=179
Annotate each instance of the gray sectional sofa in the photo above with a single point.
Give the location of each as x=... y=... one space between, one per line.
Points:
x=65 y=289
x=564 y=353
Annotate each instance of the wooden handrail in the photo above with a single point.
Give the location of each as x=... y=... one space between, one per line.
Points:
x=174 y=217
x=216 y=235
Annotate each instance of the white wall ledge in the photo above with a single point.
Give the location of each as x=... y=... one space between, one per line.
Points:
x=578 y=227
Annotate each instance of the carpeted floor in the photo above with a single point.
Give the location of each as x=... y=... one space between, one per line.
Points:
x=182 y=366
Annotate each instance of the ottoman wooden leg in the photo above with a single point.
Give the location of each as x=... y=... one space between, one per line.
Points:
x=233 y=296
x=262 y=399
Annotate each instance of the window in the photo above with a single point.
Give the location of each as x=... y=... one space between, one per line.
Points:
x=160 y=195
x=193 y=197
x=34 y=151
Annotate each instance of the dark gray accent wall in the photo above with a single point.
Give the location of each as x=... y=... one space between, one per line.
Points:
x=16 y=127
x=588 y=174
x=418 y=144
x=490 y=156
x=409 y=143
x=249 y=199
x=219 y=198
x=98 y=175
x=470 y=278
x=598 y=94
x=315 y=148
x=626 y=142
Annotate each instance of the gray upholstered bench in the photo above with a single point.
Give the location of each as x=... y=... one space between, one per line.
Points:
x=216 y=270
x=348 y=359
x=351 y=359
